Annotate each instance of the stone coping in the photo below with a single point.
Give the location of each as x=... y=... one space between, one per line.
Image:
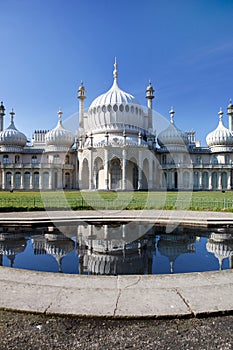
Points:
x=155 y=296
x=178 y=295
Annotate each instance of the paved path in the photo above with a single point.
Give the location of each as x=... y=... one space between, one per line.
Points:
x=171 y=217
x=179 y=295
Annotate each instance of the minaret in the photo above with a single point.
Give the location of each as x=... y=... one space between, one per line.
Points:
x=12 y=113
x=149 y=95
x=81 y=97
x=172 y=112
x=230 y=115
x=2 y=113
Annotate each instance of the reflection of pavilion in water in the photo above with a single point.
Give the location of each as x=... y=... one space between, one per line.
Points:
x=53 y=243
x=173 y=245
x=11 y=244
x=221 y=245
x=115 y=249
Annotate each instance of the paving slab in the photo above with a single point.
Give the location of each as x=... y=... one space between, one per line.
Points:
x=26 y=297
x=208 y=299
x=151 y=303
x=85 y=302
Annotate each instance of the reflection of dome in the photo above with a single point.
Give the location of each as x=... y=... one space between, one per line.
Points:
x=221 y=247
x=132 y=263
x=57 y=245
x=115 y=107
x=12 y=136
x=59 y=136
x=172 y=246
x=172 y=136
x=11 y=245
x=221 y=137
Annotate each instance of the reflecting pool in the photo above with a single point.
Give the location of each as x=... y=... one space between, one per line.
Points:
x=114 y=249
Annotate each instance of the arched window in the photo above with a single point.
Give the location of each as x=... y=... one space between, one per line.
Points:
x=56 y=159
x=34 y=159
x=67 y=159
x=17 y=159
x=5 y=159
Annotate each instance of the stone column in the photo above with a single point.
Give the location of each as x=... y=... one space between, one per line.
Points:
x=124 y=169
x=21 y=181
x=106 y=175
x=59 y=179
x=91 y=185
x=139 y=170
x=210 y=180
x=219 y=180
x=3 y=180
x=229 y=180
x=150 y=182
x=180 y=183
x=50 y=180
x=31 y=181
x=12 y=180
x=200 y=181
x=40 y=179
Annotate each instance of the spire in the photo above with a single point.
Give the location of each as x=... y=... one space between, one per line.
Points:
x=220 y=113
x=2 y=109
x=60 y=115
x=12 y=113
x=115 y=71
x=172 y=112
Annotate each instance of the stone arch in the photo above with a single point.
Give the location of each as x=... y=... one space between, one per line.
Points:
x=8 y=180
x=145 y=174
x=224 y=180
x=26 y=180
x=85 y=174
x=132 y=174
x=17 y=180
x=67 y=180
x=115 y=174
x=205 y=180
x=36 y=180
x=186 y=180
x=214 y=180
x=45 y=180
x=99 y=173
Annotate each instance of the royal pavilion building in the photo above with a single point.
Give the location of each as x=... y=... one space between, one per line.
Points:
x=115 y=146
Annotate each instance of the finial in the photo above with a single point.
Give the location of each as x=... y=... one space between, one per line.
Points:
x=172 y=112
x=2 y=109
x=220 y=113
x=60 y=114
x=12 y=113
x=115 y=72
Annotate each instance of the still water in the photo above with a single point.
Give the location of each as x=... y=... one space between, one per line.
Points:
x=114 y=249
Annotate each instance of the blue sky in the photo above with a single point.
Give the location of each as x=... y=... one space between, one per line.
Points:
x=184 y=46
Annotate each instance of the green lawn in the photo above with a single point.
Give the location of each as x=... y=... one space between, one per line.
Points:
x=77 y=200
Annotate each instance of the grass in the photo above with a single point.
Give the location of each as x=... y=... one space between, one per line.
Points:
x=76 y=200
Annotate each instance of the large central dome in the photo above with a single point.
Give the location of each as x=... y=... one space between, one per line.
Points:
x=115 y=108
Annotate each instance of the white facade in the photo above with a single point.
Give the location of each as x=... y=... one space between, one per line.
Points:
x=116 y=149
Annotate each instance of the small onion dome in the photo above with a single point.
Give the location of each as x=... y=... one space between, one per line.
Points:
x=150 y=91
x=230 y=107
x=172 y=136
x=81 y=91
x=12 y=136
x=59 y=136
x=221 y=136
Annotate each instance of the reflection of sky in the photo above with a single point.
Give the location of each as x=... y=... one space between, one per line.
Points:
x=198 y=261
x=43 y=262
